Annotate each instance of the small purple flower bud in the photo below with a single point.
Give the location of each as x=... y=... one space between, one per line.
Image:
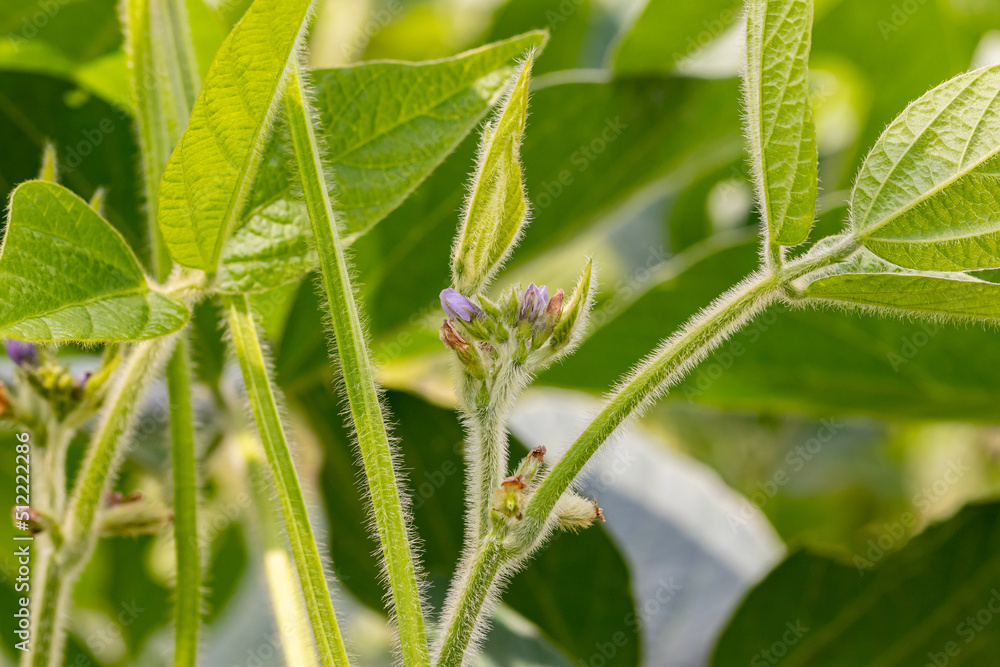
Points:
x=534 y=302
x=457 y=306
x=21 y=352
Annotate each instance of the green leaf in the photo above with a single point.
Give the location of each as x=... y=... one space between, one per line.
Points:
x=271 y=249
x=914 y=607
x=569 y=23
x=212 y=168
x=94 y=142
x=922 y=294
x=667 y=32
x=592 y=146
x=547 y=592
x=820 y=362
x=377 y=157
x=928 y=194
x=782 y=137
x=67 y=275
x=497 y=208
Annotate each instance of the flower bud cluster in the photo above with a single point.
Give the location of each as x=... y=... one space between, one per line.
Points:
x=41 y=376
x=526 y=330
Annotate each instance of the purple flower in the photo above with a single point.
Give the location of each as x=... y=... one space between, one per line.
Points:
x=534 y=302
x=20 y=352
x=457 y=306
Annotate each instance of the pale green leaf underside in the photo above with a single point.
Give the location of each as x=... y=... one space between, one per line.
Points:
x=782 y=135
x=210 y=171
x=386 y=125
x=272 y=249
x=497 y=207
x=928 y=194
x=919 y=294
x=67 y=275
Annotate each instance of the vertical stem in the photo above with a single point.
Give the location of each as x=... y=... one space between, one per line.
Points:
x=359 y=382
x=289 y=611
x=79 y=530
x=184 y=459
x=474 y=589
x=263 y=402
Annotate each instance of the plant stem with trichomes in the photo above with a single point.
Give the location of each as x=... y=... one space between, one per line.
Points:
x=264 y=404
x=359 y=381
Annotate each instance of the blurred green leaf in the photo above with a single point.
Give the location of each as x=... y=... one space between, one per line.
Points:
x=94 y=142
x=555 y=591
x=667 y=32
x=925 y=604
x=213 y=167
x=900 y=54
x=782 y=136
x=589 y=147
x=928 y=194
x=817 y=362
x=568 y=24
x=910 y=293
x=67 y=275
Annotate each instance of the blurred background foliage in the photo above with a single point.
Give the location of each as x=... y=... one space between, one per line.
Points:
x=808 y=429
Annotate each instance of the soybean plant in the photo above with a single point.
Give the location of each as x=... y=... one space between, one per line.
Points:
x=241 y=199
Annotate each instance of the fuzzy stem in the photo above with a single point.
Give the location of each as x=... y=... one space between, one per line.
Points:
x=475 y=588
x=184 y=459
x=675 y=357
x=264 y=403
x=290 y=614
x=79 y=530
x=359 y=381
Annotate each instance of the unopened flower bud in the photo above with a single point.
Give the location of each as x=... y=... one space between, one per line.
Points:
x=552 y=314
x=457 y=306
x=452 y=339
x=531 y=464
x=574 y=512
x=574 y=314
x=533 y=303
x=509 y=500
x=22 y=353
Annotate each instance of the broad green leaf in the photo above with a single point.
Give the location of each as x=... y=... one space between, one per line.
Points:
x=497 y=208
x=211 y=170
x=921 y=294
x=928 y=194
x=387 y=125
x=591 y=147
x=67 y=275
x=547 y=592
x=782 y=137
x=819 y=362
x=926 y=604
x=667 y=32
x=271 y=249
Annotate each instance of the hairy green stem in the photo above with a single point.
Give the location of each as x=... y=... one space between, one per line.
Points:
x=675 y=357
x=264 y=403
x=290 y=614
x=80 y=525
x=359 y=381
x=185 y=461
